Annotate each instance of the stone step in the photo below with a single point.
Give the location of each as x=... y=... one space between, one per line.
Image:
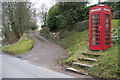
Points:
x=89 y=59
x=76 y=71
x=91 y=54
x=81 y=64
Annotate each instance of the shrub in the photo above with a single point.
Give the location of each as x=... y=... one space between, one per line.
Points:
x=45 y=32
x=65 y=15
x=81 y=26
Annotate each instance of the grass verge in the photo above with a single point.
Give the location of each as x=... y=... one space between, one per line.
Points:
x=24 y=45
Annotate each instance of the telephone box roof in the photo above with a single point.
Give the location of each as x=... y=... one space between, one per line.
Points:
x=99 y=6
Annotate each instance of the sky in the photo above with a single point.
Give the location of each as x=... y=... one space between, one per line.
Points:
x=94 y=1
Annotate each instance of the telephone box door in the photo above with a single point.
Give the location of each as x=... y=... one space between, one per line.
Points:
x=95 y=31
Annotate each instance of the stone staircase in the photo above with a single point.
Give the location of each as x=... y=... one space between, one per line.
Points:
x=83 y=63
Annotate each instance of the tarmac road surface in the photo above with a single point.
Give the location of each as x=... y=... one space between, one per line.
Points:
x=16 y=68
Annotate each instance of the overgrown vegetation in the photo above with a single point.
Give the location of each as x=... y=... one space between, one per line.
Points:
x=78 y=42
x=24 y=45
x=107 y=66
x=69 y=21
x=114 y=32
x=64 y=15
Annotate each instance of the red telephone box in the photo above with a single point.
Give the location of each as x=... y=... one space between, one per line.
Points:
x=99 y=27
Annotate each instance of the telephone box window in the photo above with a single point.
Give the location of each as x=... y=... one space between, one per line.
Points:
x=107 y=39
x=107 y=20
x=107 y=31
x=95 y=43
x=107 y=35
x=107 y=27
x=96 y=15
x=107 y=43
x=107 y=15
x=95 y=27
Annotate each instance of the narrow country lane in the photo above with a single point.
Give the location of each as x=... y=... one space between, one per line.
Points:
x=47 y=54
x=16 y=68
x=44 y=53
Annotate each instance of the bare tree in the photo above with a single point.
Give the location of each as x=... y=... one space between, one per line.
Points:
x=43 y=13
x=16 y=18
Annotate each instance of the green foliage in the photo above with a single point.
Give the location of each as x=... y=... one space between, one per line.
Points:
x=51 y=18
x=64 y=15
x=113 y=5
x=45 y=32
x=114 y=31
x=85 y=11
x=34 y=27
x=75 y=42
x=81 y=26
x=22 y=46
x=115 y=8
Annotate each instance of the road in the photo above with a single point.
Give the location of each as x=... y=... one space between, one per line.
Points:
x=41 y=61
x=16 y=68
x=47 y=54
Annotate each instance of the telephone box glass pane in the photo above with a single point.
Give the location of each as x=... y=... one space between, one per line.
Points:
x=107 y=39
x=96 y=19
x=93 y=35
x=107 y=31
x=107 y=20
x=107 y=15
x=95 y=43
x=107 y=35
x=96 y=15
x=96 y=23
x=107 y=23
x=93 y=39
x=95 y=27
x=107 y=27
x=107 y=43
x=95 y=31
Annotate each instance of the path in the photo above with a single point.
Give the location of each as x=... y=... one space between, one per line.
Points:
x=46 y=54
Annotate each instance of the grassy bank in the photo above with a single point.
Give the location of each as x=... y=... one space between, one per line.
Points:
x=107 y=66
x=24 y=45
x=77 y=42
